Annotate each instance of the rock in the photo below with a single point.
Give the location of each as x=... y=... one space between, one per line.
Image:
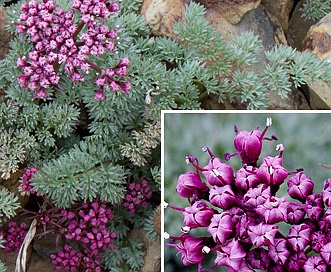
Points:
x=5 y=35
x=231 y=10
x=298 y=27
x=160 y=15
x=318 y=38
x=157 y=220
x=318 y=41
x=47 y=245
x=152 y=249
x=319 y=96
x=280 y=9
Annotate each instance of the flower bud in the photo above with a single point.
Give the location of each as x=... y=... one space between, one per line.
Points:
x=231 y=255
x=314 y=206
x=222 y=197
x=246 y=178
x=299 y=237
x=271 y=171
x=326 y=192
x=190 y=184
x=315 y=264
x=258 y=258
x=299 y=186
x=278 y=252
x=191 y=249
x=249 y=145
x=274 y=210
x=262 y=234
x=198 y=215
x=218 y=173
x=221 y=227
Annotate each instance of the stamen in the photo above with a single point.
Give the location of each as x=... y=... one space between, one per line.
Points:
x=185 y=229
x=166 y=235
x=206 y=149
x=165 y=205
x=269 y=122
x=215 y=173
x=270 y=170
x=235 y=128
x=280 y=147
x=205 y=249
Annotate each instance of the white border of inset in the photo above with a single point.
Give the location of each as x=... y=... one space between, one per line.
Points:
x=163 y=112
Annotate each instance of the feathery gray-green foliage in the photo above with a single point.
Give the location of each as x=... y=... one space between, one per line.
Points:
x=315 y=9
x=8 y=205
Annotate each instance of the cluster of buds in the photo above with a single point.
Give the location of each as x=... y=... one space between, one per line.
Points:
x=241 y=213
x=87 y=226
x=14 y=236
x=26 y=187
x=137 y=195
x=59 y=42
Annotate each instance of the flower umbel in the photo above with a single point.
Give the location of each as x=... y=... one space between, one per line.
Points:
x=243 y=216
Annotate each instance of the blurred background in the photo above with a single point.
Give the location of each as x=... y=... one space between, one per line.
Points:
x=306 y=137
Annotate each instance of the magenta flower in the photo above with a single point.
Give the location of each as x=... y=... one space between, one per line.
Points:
x=314 y=206
x=242 y=225
x=314 y=264
x=296 y=261
x=26 y=186
x=258 y=258
x=198 y=215
x=191 y=249
x=299 y=236
x=221 y=227
x=273 y=210
x=222 y=197
x=279 y=252
x=317 y=240
x=218 y=173
x=326 y=192
x=190 y=184
x=271 y=171
x=262 y=234
x=99 y=95
x=246 y=178
x=249 y=145
x=326 y=253
x=257 y=196
x=299 y=186
x=231 y=255
x=295 y=212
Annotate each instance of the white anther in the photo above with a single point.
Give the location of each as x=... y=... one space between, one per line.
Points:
x=269 y=122
x=166 y=235
x=165 y=205
x=215 y=173
x=187 y=160
x=185 y=229
x=280 y=147
x=270 y=170
x=205 y=249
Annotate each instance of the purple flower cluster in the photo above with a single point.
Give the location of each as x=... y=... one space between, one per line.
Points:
x=67 y=260
x=14 y=236
x=240 y=211
x=26 y=187
x=88 y=227
x=137 y=195
x=58 y=40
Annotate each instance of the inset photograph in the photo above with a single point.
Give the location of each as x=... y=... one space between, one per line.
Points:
x=248 y=191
